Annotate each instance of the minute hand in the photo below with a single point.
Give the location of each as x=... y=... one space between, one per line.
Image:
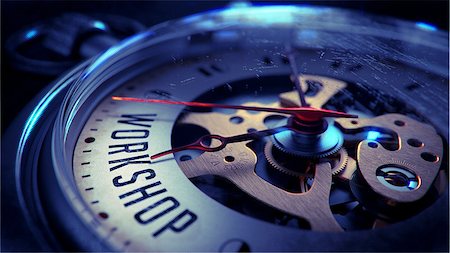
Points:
x=200 y=144
x=304 y=112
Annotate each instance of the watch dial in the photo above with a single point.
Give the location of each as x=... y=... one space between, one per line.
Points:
x=262 y=128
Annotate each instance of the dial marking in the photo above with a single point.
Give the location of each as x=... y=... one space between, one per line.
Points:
x=85 y=176
x=85 y=163
x=87 y=151
x=267 y=60
x=95 y=202
x=103 y=215
x=157 y=94
x=413 y=86
x=89 y=140
x=204 y=71
x=111 y=232
x=89 y=189
x=125 y=245
x=208 y=72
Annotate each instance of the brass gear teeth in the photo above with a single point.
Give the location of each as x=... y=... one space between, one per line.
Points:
x=332 y=151
x=271 y=159
x=337 y=168
x=342 y=164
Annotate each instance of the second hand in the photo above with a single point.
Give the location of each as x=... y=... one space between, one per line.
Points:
x=303 y=112
x=294 y=69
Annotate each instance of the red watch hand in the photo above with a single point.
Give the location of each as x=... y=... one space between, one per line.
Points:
x=200 y=144
x=304 y=113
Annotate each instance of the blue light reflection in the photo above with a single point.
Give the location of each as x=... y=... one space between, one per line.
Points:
x=261 y=13
x=31 y=34
x=426 y=26
x=39 y=111
x=373 y=135
x=412 y=184
x=268 y=14
x=113 y=50
x=105 y=57
x=99 y=25
x=240 y=4
x=36 y=115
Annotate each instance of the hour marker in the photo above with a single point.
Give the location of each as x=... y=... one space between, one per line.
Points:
x=98 y=120
x=103 y=215
x=204 y=71
x=94 y=202
x=412 y=86
x=85 y=163
x=89 y=189
x=267 y=61
x=87 y=151
x=89 y=140
x=85 y=176
x=157 y=94
x=94 y=129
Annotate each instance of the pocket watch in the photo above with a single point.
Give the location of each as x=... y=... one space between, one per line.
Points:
x=249 y=128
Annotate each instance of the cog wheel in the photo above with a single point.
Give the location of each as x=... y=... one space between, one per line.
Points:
x=338 y=161
x=271 y=157
x=315 y=156
x=324 y=145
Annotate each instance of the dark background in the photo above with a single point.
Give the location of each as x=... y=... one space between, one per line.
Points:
x=18 y=88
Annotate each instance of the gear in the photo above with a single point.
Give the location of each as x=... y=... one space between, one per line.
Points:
x=338 y=161
x=271 y=157
x=323 y=145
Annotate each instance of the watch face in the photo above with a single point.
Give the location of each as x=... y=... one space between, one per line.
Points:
x=280 y=128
